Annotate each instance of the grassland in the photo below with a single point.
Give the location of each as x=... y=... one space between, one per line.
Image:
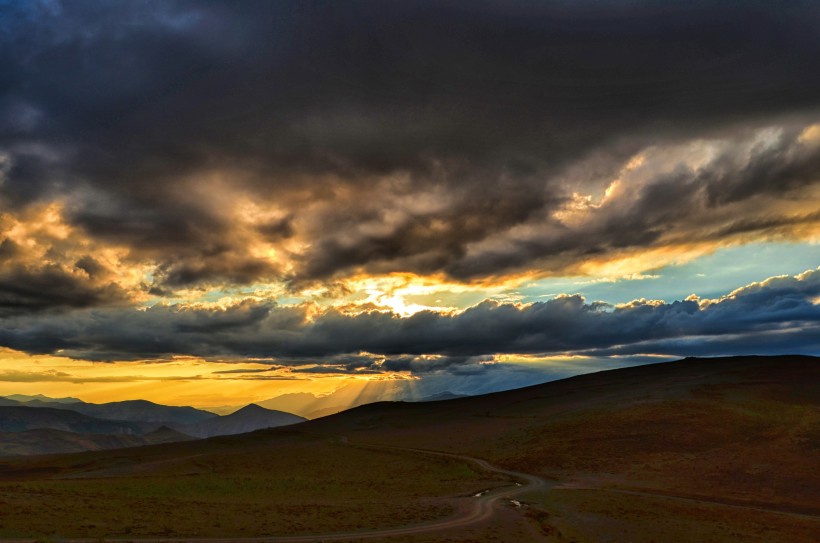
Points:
x=700 y=450
x=253 y=485
x=738 y=438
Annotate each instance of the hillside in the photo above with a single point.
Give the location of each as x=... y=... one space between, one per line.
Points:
x=737 y=430
x=18 y=419
x=268 y=482
x=50 y=441
x=43 y=430
x=34 y=429
x=689 y=451
x=248 y=419
x=614 y=419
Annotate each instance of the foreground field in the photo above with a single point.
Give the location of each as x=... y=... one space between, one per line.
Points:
x=249 y=486
x=691 y=451
x=695 y=450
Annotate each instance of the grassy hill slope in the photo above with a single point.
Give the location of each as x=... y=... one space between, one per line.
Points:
x=741 y=431
x=51 y=441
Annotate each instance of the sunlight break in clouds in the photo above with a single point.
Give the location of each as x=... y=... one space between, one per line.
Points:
x=259 y=183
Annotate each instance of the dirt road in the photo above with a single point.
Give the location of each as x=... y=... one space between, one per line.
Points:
x=470 y=510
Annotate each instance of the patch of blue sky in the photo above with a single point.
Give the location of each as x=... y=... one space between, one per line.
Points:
x=709 y=276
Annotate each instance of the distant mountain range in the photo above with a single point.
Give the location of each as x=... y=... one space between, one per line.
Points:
x=37 y=424
x=39 y=397
x=132 y=410
x=143 y=410
x=307 y=405
x=249 y=418
x=40 y=425
x=311 y=406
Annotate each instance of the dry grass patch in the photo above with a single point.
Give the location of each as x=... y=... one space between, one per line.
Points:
x=286 y=486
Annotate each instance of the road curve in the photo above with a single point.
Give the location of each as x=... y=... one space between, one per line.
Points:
x=478 y=509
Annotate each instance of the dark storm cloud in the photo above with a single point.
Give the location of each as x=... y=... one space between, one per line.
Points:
x=24 y=290
x=680 y=202
x=458 y=365
x=780 y=314
x=124 y=109
x=333 y=369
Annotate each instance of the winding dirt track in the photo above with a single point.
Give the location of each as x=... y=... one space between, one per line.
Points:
x=476 y=510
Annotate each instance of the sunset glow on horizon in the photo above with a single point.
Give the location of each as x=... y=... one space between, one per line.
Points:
x=213 y=204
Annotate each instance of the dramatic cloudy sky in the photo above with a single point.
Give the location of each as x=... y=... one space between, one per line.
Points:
x=210 y=202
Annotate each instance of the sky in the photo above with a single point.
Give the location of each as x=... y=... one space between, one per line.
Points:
x=212 y=203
